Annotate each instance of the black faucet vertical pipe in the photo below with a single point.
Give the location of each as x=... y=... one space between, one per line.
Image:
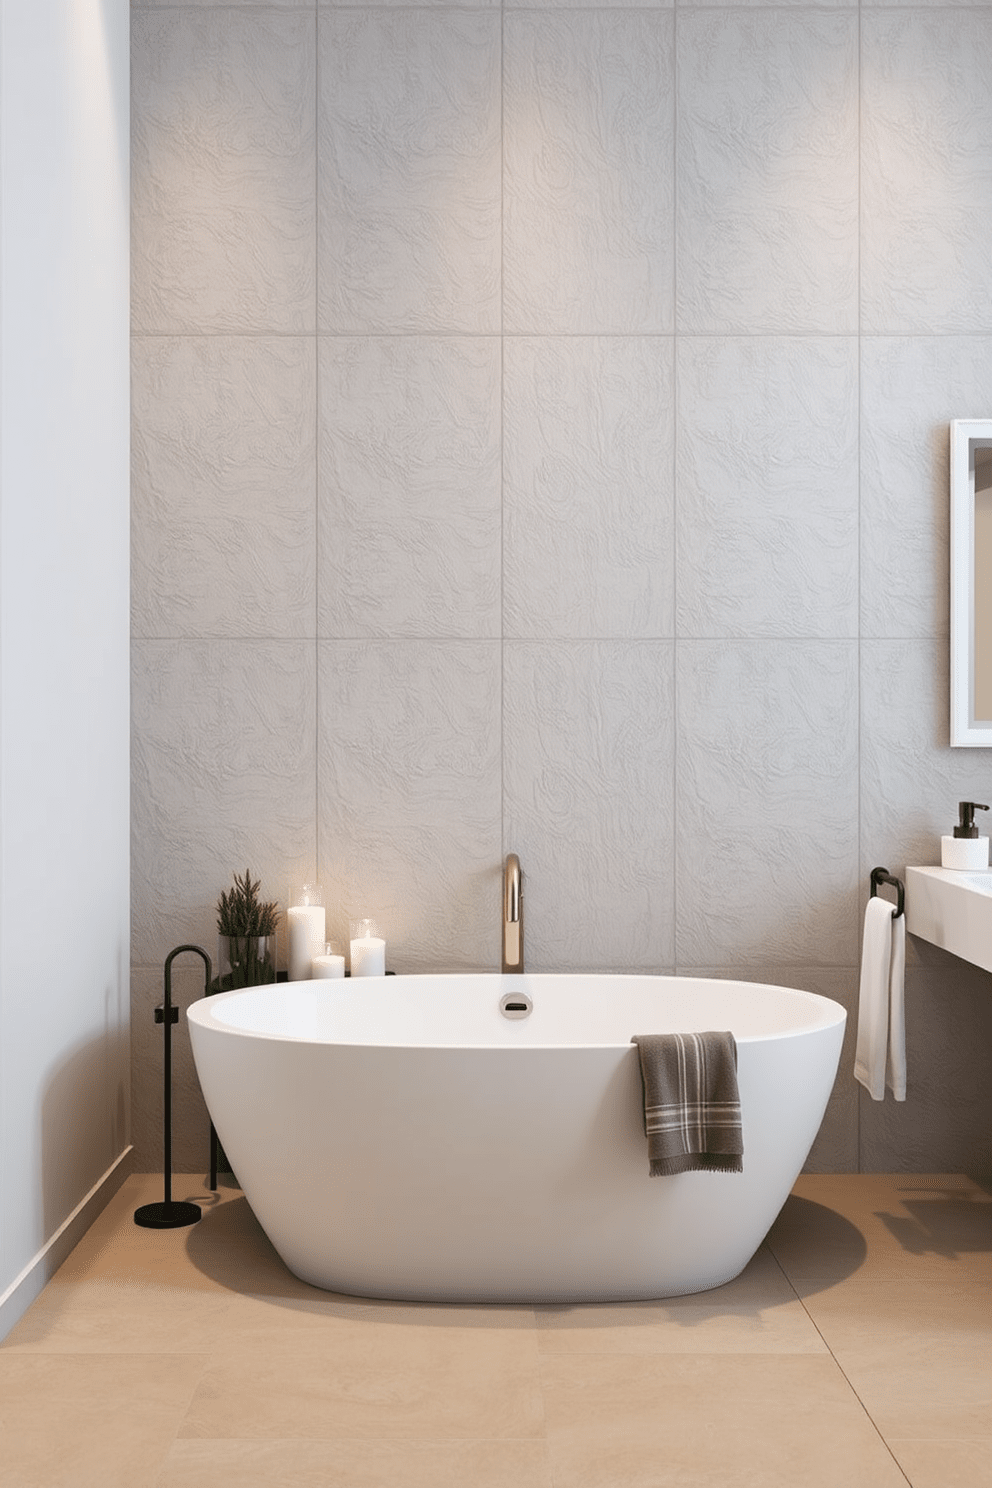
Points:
x=169 y=1214
x=168 y=1020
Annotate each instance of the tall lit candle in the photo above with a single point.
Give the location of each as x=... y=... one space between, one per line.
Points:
x=307 y=931
x=368 y=951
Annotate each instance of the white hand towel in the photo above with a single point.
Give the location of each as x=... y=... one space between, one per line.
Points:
x=880 y=1057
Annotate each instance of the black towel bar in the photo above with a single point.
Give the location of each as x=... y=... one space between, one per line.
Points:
x=882 y=875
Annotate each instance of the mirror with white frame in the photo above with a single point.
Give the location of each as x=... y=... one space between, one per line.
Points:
x=971 y=582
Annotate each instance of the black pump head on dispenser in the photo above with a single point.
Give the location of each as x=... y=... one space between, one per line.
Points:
x=966 y=811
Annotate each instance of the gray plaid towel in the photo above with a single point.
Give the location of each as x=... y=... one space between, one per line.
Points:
x=692 y=1110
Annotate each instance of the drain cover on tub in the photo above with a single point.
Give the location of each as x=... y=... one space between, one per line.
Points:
x=515 y=1005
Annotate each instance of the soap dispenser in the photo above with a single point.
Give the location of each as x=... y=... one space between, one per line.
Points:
x=965 y=849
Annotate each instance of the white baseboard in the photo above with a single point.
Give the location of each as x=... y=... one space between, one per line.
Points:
x=16 y=1300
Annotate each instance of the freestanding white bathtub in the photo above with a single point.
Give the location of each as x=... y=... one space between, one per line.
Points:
x=400 y=1137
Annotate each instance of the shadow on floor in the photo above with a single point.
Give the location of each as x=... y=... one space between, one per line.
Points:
x=815 y=1242
x=945 y=1223
x=230 y=1246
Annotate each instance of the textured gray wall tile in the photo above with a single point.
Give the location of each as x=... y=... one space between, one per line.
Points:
x=582 y=5
x=421 y=4
x=926 y=171
x=408 y=805
x=911 y=781
x=588 y=545
x=837 y=1145
x=409 y=486
x=943 y=1125
x=588 y=194
x=224 y=775
x=914 y=4
x=767 y=493
x=409 y=188
x=835 y=1149
x=222 y=170
x=768 y=171
x=227 y=4
x=767 y=774
x=394 y=798
x=224 y=468
x=749 y=4
x=588 y=801
x=911 y=388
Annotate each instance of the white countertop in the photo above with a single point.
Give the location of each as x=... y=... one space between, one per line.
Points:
x=952 y=908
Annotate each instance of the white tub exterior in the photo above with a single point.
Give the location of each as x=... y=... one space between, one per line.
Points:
x=398 y=1137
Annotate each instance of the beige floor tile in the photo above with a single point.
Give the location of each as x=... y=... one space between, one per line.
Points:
x=510 y=1315
x=356 y=1464
x=762 y=1279
x=919 y=1359
x=763 y=1421
x=862 y=1191
x=876 y=1302
x=935 y=1390
x=204 y=1332
x=230 y=1247
x=811 y=1238
x=117 y=1249
x=370 y=1379
x=835 y=1225
x=266 y=1319
x=673 y=1328
x=129 y=1289
x=79 y=1421
x=101 y=1317
x=226 y=1252
x=757 y=1312
x=944 y=1464
x=256 y=1324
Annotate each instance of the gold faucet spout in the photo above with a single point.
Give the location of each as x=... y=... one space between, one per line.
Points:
x=513 y=916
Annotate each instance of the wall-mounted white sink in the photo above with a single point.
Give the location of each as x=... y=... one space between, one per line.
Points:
x=952 y=909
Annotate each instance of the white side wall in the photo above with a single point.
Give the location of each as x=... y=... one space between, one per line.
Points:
x=64 y=566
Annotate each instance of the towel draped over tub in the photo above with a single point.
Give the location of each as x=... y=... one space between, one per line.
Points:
x=692 y=1110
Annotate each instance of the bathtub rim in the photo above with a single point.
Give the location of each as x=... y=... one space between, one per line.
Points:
x=202 y=1012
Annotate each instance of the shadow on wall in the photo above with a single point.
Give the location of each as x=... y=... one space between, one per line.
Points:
x=75 y=1150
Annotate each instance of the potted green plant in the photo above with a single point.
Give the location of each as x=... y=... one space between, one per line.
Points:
x=247 y=930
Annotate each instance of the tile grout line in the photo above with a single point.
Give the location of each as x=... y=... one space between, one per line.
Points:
x=317 y=867
x=850 y=1385
x=676 y=737
x=502 y=450
x=821 y=1335
x=858 y=559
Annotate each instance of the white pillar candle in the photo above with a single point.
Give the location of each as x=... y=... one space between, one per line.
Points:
x=328 y=965
x=307 y=938
x=368 y=956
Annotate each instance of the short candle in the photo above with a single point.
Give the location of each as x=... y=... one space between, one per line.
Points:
x=330 y=964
